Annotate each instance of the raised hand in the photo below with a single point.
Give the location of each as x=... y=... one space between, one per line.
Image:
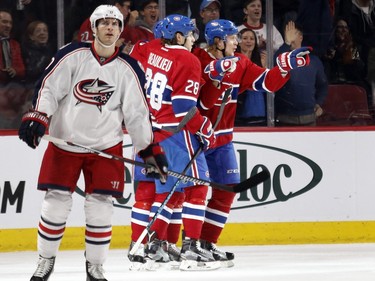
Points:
x=291 y=60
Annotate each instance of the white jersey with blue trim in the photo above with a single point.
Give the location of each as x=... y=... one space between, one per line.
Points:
x=89 y=98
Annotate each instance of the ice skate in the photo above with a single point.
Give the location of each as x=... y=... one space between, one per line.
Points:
x=44 y=269
x=94 y=272
x=195 y=258
x=225 y=258
x=157 y=250
x=174 y=256
x=174 y=252
x=138 y=261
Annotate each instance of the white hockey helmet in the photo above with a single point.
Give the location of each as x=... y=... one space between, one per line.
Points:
x=106 y=11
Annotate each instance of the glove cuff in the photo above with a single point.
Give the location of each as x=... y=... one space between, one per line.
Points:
x=37 y=116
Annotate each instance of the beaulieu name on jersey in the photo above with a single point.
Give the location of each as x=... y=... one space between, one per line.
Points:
x=159 y=62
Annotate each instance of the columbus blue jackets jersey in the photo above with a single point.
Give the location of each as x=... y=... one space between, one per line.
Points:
x=89 y=98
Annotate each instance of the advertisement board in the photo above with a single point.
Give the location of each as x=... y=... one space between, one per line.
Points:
x=317 y=176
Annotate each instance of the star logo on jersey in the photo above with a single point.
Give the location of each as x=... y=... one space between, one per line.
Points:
x=96 y=92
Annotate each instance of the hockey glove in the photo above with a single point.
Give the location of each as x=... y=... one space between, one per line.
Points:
x=296 y=58
x=217 y=69
x=155 y=156
x=205 y=134
x=33 y=127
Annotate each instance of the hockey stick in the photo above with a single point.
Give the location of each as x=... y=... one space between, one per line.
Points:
x=183 y=122
x=161 y=207
x=249 y=183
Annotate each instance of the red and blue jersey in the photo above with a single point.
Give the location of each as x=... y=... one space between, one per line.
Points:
x=173 y=80
x=247 y=75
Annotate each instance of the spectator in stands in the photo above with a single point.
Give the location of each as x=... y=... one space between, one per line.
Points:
x=12 y=71
x=253 y=14
x=232 y=10
x=19 y=9
x=251 y=104
x=316 y=19
x=143 y=27
x=209 y=10
x=12 y=67
x=343 y=62
x=284 y=11
x=180 y=7
x=299 y=102
x=362 y=23
x=13 y=104
x=36 y=51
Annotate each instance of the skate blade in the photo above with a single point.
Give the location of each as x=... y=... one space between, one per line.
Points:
x=174 y=265
x=149 y=265
x=189 y=265
x=226 y=264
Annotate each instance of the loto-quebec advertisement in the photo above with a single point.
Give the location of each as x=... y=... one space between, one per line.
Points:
x=321 y=184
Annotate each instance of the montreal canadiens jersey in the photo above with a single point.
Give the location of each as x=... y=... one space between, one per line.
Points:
x=173 y=79
x=247 y=75
x=89 y=99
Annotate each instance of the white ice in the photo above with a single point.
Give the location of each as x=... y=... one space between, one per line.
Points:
x=332 y=262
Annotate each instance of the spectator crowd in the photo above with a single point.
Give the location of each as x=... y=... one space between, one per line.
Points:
x=340 y=32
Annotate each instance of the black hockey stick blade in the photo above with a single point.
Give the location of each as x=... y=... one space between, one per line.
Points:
x=253 y=181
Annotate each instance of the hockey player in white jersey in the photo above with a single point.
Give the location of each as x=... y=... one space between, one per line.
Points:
x=89 y=90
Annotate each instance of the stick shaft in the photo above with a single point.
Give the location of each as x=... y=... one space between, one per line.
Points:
x=134 y=162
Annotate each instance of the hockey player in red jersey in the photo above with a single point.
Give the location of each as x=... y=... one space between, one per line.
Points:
x=221 y=36
x=173 y=77
x=90 y=90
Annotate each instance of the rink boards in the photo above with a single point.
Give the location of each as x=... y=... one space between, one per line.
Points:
x=321 y=191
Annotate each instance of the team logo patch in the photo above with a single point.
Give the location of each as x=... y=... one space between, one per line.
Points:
x=95 y=92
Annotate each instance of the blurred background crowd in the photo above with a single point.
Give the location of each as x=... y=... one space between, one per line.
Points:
x=337 y=89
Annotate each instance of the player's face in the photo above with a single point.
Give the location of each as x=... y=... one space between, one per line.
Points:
x=231 y=45
x=190 y=39
x=108 y=30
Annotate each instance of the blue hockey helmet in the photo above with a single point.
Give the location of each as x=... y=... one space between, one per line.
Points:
x=158 y=29
x=219 y=28
x=177 y=23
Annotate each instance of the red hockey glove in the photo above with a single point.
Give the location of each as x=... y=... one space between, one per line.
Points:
x=205 y=134
x=296 y=58
x=217 y=69
x=33 y=127
x=155 y=156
